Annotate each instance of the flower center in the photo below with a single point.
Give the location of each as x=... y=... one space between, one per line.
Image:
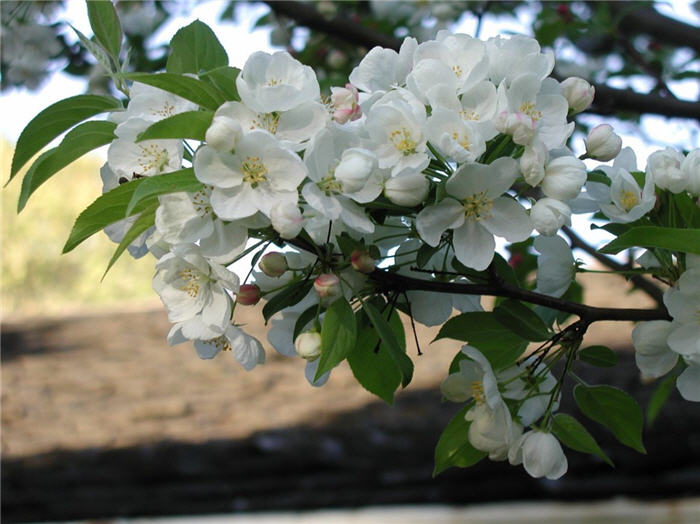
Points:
x=461 y=140
x=471 y=115
x=191 y=279
x=457 y=71
x=329 y=185
x=201 y=201
x=267 y=121
x=529 y=109
x=165 y=111
x=628 y=199
x=221 y=343
x=478 y=392
x=254 y=171
x=477 y=206
x=401 y=138
x=152 y=158
x=272 y=82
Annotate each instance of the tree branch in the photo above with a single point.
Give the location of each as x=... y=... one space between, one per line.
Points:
x=608 y=100
x=639 y=281
x=393 y=281
x=649 y=21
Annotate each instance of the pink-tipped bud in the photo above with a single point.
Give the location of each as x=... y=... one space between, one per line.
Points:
x=248 y=295
x=344 y=101
x=273 y=264
x=308 y=345
x=578 y=93
x=362 y=261
x=327 y=285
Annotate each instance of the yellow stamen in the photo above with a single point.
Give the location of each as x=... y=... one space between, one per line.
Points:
x=529 y=109
x=152 y=157
x=461 y=140
x=267 y=121
x=401 y=138
x=457 y=71
x=477 y=206
x=191 y=279
x=254 y=171
x=201 y=201
x=478 y=392
x=628 y=199
x=221 y=343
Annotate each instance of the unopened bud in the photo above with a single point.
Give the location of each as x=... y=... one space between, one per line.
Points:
x=273 y=264
x=327 y=285
x=407 y=190
x=602 y=143
x=308 y=345
x=665 y=168
x=691 y=170
x=345 y=103
x=223 y=133
x=248 y=295
x=563 y=178
x=520 y=126
x=286 y=219
x=548 y=215
x=578 y=93
x=362 y=261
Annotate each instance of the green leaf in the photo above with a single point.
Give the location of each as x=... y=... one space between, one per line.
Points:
x=601 y=356
x=175 y=182
x=224 y=79
x=105 y=25
x=96 y=50
x=682 y=240
x=83 y=139
x=454 y=448
x=338 y=336
x=614 y=409
x=287 y=297
x=521 y=320
x=480 y=329
x=390 y=341
x=187 y=87
x=571 y=433
x=376 y=371
x=307 y=316
x=107 y=209
x=189 y=124
x=425 y=253
x=195 y=48
x=56 y=119
x=660 y=396
x=146 y=220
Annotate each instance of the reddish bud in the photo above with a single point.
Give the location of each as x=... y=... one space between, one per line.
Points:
x=515 y=260
x=327 y=285
x=248 y=295
x=273 y=264
x=362 y=261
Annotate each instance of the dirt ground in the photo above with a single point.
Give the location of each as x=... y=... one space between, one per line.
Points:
x=108 y=379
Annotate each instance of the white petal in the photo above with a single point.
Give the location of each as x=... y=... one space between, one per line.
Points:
x=434 y=220
x=688 y=383
x=474 y=245
x=508 y=219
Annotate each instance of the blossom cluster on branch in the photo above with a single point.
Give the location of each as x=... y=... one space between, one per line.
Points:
x=392 y=194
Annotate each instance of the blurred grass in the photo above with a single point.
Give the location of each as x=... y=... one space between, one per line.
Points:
x=36 y=278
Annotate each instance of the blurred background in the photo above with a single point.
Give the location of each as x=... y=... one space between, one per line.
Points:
x=102 y=419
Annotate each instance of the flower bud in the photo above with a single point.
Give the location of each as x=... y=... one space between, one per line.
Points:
x=407 y=190
x=223 y=133
x=286 y=220
x=602 y=143
x=691 y=171
x=308 y=345
x=548 y=215
x=344 y=102
x=564 y=177
x=362 y=261
x=520 y=126
x=578 y=93
x=248 y=295
x=355 y=167
x=532 y=162
x=327 y=285
x=665 y=168
x=273 y=264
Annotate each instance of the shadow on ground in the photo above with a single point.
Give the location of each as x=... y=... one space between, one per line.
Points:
x=374 y=455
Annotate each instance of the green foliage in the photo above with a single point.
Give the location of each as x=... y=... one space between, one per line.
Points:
x=338 y=336
x=454 y=448
x=600 y=356
x=189 y=124
x=681 y=240
x=194 y=49
x=55 y=120
x=151 y=187
x=142 y=223
x=572 y=434
x=106 y=26
x=224 y=79
x=660 y=396
x=307 y=316
x=614 y=409
x=389 y=339
x=521 y=320
x=189 y=88
x=372 y=364
x=480 y=329
x=287 y=297
x=83 y=139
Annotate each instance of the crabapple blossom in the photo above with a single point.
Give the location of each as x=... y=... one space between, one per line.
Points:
x=308 y=345
x=407 y=190
x=664 y=167
x=579 y=94
x=540 y=454
x=602 y=143
x=273 y=264
x=548 y=215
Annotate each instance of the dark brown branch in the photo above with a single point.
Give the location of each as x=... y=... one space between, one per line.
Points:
x=393 y=281
x=648 y=20
x=639 y=281
x=608 y=100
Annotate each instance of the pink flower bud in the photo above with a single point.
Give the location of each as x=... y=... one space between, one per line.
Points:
x=248 y=295
x=578 y=93
x=273 y=264
x=308 y=345
x=327 y=285
x=344 y=101
x=362 y=261
x=602 y=143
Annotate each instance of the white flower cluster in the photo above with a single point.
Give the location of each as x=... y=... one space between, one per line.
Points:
x=660 y=344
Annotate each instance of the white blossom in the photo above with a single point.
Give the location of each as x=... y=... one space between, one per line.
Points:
x=540 y=454
x=548 y=215
x=602 y=143
x=555 y=265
